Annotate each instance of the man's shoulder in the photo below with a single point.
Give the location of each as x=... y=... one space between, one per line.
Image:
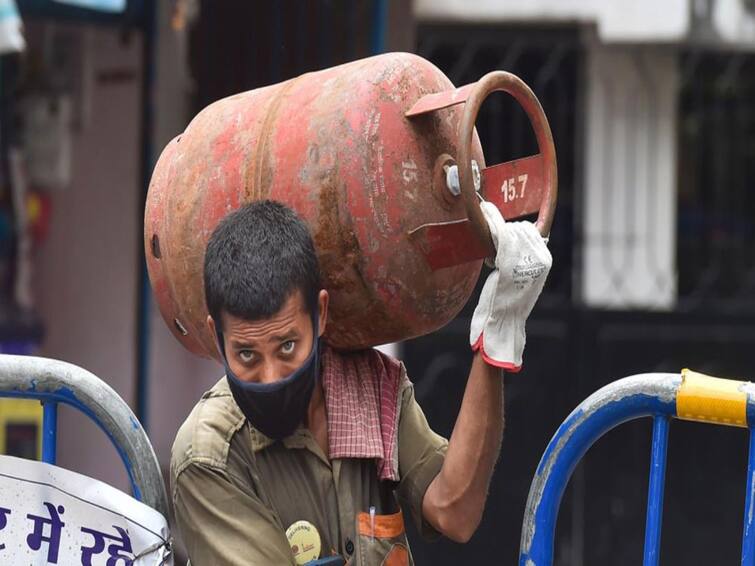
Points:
x=367 y=361
x=206 y=434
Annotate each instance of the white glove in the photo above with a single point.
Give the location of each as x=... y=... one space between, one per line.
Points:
x=522 y=263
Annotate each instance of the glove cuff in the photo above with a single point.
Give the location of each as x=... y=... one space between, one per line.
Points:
x=479 y=345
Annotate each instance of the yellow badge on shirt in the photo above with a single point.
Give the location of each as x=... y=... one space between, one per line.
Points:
x=304 y=540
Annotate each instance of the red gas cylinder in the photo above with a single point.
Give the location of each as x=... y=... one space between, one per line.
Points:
x=365 y=153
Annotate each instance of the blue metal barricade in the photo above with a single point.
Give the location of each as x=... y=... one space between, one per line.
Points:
x=689 y=396
x=53 y=382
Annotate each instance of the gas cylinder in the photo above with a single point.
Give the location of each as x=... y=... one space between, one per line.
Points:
x=380 y=158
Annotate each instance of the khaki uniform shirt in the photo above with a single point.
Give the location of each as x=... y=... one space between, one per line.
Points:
x=235 y=491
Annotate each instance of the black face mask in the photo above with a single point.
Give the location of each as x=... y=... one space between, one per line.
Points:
x=276 y=409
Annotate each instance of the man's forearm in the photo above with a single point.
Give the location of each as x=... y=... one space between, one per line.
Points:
x=455 y=499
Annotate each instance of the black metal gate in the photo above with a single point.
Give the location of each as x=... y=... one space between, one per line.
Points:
x=573 y=350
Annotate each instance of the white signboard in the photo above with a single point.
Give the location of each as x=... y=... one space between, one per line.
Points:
x=49 y=515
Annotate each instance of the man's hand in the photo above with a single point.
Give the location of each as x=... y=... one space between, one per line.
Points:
x=522 y=263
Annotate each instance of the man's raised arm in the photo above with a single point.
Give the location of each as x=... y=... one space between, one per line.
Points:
x=455 y=500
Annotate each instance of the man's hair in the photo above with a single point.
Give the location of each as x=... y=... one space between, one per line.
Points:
x=257 y=257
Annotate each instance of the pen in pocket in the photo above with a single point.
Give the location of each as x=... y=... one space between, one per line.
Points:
x=372 y=523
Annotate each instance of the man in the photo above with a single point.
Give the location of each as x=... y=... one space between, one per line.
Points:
x=302 y=452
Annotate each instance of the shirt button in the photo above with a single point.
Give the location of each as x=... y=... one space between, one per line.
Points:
x=349 y=547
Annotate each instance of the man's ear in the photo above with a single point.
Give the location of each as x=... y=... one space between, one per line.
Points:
x=322 y=305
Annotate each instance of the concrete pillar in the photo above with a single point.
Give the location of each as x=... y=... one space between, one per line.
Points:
x=177 y=378
x=630 y=177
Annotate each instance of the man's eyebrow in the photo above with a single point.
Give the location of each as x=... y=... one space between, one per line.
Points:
x=241 y=344
x=288 y=335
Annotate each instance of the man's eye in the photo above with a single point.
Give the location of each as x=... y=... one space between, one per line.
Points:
x=246 y=356
x=288 y=347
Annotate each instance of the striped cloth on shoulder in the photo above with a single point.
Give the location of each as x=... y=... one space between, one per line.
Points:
x=362 y=400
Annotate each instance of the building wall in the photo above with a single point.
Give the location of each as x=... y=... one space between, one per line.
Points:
x=86 y=272
x=717 y=23
x=616 y=20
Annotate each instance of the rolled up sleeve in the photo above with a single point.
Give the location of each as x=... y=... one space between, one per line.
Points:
x=421 y=456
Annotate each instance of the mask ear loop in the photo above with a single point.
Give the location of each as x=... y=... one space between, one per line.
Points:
x=221 y=345
x=317 y=343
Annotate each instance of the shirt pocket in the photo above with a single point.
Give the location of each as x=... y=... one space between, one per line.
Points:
x=382 y=540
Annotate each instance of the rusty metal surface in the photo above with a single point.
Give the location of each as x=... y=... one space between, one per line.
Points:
x=495 y=81
x=516 y=187
x=440 y=100
x=445 y=244
x=336 y=146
